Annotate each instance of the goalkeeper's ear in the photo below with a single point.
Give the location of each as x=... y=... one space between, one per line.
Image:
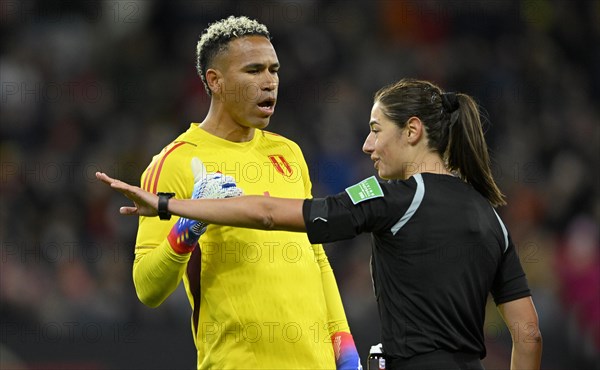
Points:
x=198 y=169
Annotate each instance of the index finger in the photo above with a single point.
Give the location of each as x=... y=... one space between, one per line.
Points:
x=104 y=178
x=113 y=183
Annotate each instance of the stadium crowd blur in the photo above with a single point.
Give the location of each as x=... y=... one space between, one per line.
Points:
x=103 y=85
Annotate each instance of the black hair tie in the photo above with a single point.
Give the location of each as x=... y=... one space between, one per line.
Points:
x=450 y=102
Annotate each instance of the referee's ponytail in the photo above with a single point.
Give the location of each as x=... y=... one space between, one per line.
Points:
x=467 y=151
x=453 y=125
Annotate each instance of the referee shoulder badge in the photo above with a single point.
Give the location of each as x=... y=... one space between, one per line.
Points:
x=367 y=189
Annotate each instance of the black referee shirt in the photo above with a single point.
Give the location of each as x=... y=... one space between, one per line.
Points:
x=439 y=248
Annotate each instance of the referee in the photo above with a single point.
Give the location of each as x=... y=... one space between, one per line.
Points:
x=439 y=247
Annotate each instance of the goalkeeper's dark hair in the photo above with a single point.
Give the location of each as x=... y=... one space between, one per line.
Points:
x=217 y=36
x=453 y=125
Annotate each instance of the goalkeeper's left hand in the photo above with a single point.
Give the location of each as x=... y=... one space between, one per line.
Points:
x=346 y=355
x=213 y=185
x=184 y=235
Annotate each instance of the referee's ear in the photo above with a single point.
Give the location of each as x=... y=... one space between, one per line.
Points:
x=414 y=130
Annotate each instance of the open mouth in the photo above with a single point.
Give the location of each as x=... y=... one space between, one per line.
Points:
x=267 y=106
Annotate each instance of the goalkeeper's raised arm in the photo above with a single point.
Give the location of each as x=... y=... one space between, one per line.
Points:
x=160 y=262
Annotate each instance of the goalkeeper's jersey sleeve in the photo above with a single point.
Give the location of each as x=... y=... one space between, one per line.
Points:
x=257 y=297
x=157 y=269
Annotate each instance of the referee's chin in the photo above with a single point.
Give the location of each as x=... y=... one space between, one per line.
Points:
x=382 y=175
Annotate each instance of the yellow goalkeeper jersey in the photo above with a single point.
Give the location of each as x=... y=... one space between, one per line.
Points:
x=260 y=299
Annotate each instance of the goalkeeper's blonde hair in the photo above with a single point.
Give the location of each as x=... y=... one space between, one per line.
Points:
x=217 y=36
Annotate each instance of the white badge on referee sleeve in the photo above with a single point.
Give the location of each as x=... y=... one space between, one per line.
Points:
x=365 y=190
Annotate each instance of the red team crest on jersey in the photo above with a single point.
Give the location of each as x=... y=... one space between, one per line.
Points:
x=281 y=165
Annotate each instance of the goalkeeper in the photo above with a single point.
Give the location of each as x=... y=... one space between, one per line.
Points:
x=248 y=289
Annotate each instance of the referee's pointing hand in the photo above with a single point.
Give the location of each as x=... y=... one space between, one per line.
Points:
x=145 y=203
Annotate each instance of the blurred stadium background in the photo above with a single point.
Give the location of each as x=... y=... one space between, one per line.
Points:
x=103 y=85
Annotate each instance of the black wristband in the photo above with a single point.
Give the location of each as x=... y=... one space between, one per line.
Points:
x=163 y=205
